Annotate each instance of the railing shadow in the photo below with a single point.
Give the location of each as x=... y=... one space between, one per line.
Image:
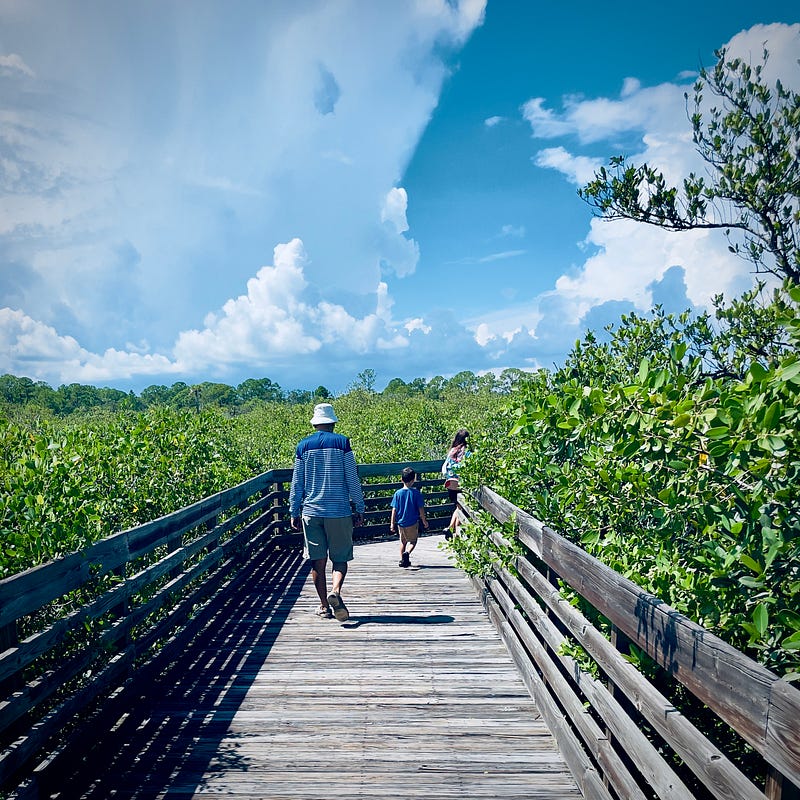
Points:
x=175 y=714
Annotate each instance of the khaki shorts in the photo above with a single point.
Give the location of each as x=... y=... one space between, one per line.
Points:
x=328 y=537
x=410 y=534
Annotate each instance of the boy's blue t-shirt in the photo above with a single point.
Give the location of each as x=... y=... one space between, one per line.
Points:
x=407 y=502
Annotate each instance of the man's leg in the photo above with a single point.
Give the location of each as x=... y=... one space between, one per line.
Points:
x=318 y=566
x=337 y=579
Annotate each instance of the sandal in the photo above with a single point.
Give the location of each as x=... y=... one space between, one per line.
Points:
x=324 y=612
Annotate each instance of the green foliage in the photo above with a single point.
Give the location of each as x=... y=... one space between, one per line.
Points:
x=750 y=141
x=64 y=485
x=683 y=481
x=68 y=481
x=478 y=554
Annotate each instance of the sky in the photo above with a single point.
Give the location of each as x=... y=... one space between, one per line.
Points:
x=306 y=189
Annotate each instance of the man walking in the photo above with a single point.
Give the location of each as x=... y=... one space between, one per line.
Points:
x=324 y=481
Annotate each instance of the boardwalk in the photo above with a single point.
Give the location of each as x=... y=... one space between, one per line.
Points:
x=414 y=697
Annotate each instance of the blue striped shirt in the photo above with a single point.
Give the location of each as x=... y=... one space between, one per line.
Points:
x=325 y=477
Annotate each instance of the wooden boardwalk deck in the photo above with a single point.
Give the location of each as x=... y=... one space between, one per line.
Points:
x=414 y=697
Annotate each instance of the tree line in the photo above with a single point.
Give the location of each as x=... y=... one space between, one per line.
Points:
x=75 y=397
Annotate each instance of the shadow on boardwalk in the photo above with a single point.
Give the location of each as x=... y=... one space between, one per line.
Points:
x=415 y=696
x=191 y=698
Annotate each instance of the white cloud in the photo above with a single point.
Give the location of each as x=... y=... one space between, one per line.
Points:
x=491 y=122
x=578 y=169
x=12 y=63
x=28 y=347
x=192 y=166
x=627 y=258
x=394 y=209
x=500 y=256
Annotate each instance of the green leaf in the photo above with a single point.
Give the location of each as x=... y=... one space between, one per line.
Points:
x=761 y=618
x=751 y=563
x=788 y=371
x=792 y=642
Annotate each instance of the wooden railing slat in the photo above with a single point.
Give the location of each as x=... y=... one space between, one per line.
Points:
x=701 y=661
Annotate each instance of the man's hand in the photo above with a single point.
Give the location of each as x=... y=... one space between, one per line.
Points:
x=297 y=523
x=358 y=520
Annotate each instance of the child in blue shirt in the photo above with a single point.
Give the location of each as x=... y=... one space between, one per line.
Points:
x=408 y=510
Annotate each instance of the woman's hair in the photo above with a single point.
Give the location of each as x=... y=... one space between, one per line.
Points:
x=460 y=438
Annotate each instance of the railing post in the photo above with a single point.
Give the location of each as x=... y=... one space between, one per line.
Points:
x=8 y=639
x=779 y=788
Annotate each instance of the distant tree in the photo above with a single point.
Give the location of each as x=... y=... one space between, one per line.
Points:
x=510 y=378
x=76 y=396
x=218 y=394
x=321 y=393
x=16 y=391
x=417 y=386
x=396 y=387
x=750 y=141
x=487 y=382
x=259 y=389
x=464 y=381
x=298 y=397
x=435 y=387
x=156 y=395
x=365 y=380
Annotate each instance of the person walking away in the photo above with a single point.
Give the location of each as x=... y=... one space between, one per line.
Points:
x=324 y=482
x=452 y=463
x=408 y=511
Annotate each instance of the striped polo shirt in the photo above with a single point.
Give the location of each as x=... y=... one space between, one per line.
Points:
x=325 y=478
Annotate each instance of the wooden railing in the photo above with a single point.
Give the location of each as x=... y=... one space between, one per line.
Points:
x=72 y=631
x=622 y=734
x=75 y=630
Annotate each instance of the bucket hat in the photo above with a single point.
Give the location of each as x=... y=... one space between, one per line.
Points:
x=323 y=414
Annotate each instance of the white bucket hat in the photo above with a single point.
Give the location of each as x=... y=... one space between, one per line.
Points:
x=323 y=414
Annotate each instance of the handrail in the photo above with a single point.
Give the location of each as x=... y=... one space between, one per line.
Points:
x=74 y=629
x=541 y=625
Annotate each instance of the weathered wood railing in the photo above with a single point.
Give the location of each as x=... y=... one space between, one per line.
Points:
x=620 y=734
x=72 y=631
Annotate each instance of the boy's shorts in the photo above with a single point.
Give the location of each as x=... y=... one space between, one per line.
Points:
x=409 y=534
x=328 y=537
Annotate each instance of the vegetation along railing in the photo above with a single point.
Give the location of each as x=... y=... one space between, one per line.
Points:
x=629 y=732
x=643 y=702
x=72 y=631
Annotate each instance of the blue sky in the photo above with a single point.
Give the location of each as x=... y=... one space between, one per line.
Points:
x=305 y=189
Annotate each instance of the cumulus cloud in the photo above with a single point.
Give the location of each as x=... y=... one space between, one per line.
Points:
x=490 y=122
x=28 y=347
x=197 y=164
x=399 y=254
x=629 y=263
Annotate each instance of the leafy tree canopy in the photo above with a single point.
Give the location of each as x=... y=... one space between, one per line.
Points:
x=750 y=142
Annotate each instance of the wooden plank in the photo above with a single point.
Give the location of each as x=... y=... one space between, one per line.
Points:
x=414 y=696
x=381 y=470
